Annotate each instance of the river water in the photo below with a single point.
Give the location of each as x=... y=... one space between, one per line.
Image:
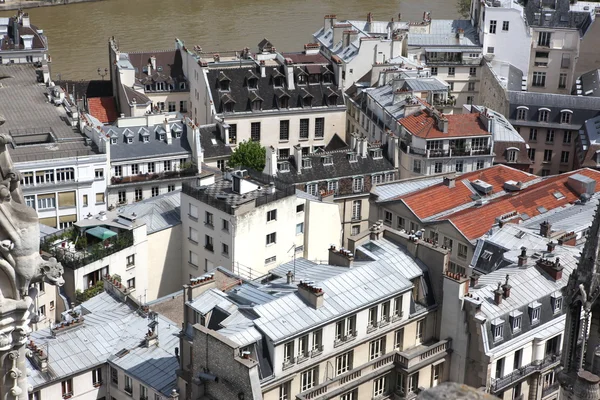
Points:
x=78 y=33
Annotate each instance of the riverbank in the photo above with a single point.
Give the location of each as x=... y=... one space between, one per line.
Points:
x=18 y=4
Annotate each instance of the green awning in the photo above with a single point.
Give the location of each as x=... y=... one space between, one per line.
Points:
x=101 y=233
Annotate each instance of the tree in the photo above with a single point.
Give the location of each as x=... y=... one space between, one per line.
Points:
x=248 y=154
x=463 y=7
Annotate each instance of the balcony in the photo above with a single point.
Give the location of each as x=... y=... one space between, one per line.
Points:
x=326 y=390
x=548 y=390
x=422 y=353
x=182 y=173
x=350 y=336
x=451 y=152
x=551 y=360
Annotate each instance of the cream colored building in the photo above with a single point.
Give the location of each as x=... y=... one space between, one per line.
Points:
x=310 y=337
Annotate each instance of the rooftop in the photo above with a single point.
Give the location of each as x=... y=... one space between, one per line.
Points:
x=158 y=213
x=103 y=109
x=590 y=83
x=40 y=130
x=556 y=14
x=24 y=37
x=425 y=124
x=169 y=67
x=443 y=33
x=109 y=326
x=394 y=190
x=212 y=143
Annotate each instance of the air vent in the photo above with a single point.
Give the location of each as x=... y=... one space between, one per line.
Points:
x=482 y=187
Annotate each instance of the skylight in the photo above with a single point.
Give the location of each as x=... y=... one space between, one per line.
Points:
x=558 y=195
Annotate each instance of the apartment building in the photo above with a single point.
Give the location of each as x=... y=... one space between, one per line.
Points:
x=355 y=47
x=106 y=363
x=150 y=155
x=587 y=145
x=344 y=176
x=22 y=43
x=148 y=82
x=311 y=335
x=277 y=99
x=62 y=176
x=250 y=222
x=466 y=208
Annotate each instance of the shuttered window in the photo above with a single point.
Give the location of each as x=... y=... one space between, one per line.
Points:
x=66 y=199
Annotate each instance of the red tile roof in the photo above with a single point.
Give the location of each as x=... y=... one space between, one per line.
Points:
x=475 y=222
x=423 y=125
x=103 y=109
x=438 y=198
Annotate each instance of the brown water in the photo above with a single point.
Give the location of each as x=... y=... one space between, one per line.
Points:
x=78 y=33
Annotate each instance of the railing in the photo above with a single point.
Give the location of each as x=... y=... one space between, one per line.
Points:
x=410 y=358
x=120 y=180
x=59 y=245
x=550 y=389
x=525 y=371
x=439 y=153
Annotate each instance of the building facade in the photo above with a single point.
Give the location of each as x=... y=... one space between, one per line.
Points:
x=22 y=43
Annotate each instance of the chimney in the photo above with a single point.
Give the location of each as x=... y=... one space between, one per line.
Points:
x=362 y=147
x=568 y=239
x=224 y=132
x=474 y=279
x=369 y=18
x=16 y=36
x=25 y=21
x=550 y=246
x=199 y=285
x=545 y=229
x=298 y=158
x=168 y=135
x=263 y=70
x=450 y=181
x=270 y=161
x=289 y=73
x=393 y=149
x=313 y=295
x=523 y=257
x=552 y=268
x=376 y=230
x=338 y=30
x=442 y=123
x=341 y=257
x=290 y=277
x=153 y=63
x=506 y=289
x=330 y=20
x=498 y=293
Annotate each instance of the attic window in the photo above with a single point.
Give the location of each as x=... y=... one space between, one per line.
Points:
x=284 y=102
x=515 y=321
x=306 y=163
x=145 y=139
x=535 y=312
x=224 y=85
x=283 y=167
x=511 y=156
x=113 y=140
x=177 y=134
x=228 y=107
x=332 y=100
x=278 y=81
x=327 y=77
x=327 y=160
x=352 y=157
x=307 y=101
x=161 y=136
x=377 y=154
x=557 y=302
x=129 y=140
x=497 y=330
x=301 y=79
x=487 y=255
x=252 y=83
x=182 y=86
x=256 y=105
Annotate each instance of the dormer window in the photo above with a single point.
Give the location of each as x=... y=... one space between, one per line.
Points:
x=352 y=157
x=129 y=140
x=522 y=113
x=327 y=77
x=497 y=330
x=145 y=139
x=327 y=160
x=511 y=155
x=171 y=86
x=307 y=101
x=535 y=312
x=228 y=107
x=278 y=81
x=224 y=85
x=377 y=154
x=148 y=88
x=557 y=302
x=182 y=85
x=283 y=166
x=332 y=100
x=177 y=134
x=565 y=116
x=252 y=83
x=161 y=136
x=256 y=105
x=160 y=86
x=358 y=184
x=301 y=79
x=306 y=163
x=284 y=102
x=515 y=321
x=544 y=113
x=113 y=140
x=314 y=79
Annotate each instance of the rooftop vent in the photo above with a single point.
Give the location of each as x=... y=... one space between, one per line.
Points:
x=581 y=184
x=482 y=187
x=513 y=186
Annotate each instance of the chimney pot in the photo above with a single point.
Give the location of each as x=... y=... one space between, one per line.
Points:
x=290 y=277
x=523 y=257
x=551 y=246
x=498 y=294
x=474 y=279
x=506 y=289
x=545 y=229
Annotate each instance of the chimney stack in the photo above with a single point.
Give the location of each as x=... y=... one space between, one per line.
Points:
x=168 y=135
x=369 y=18
x=551 y=246
x=270 y=161
x=341 y=257
x=450 y=181
x=523 y=257
x=552 y=268
x=474 y=279
x=298 y=158
x=290 y=277
x=545 y=229
x=376 y=230
x=506 y=289
x=498 y=293
x=313 y=295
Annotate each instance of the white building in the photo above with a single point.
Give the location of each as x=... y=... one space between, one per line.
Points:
x=250 y=224
x=22 y=43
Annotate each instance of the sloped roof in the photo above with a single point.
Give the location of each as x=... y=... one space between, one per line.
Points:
x=423 y=125
x=103 y=109
x=158 y=213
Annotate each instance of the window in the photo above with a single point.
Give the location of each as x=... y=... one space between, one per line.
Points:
x=46 y=201
x=434 y=71
x=376 y=348
x=183 y=106
x=304 y=126
x=564 y=157
x=462 y=251
x=550 y=136
x=151 y=167
x=471 y=87
x=308 y=379
x=167 y=165
x=271 y=215
x=471 y=99
x=312 y=188
x=541 y=54
x=300 y=228
x=417 y=166
x=353 y=395
x=67 y=387
x=30 y=201
x=332 y=186
x=400 y=223
x=317 y=341
x=385 y=312
x=567 y=137
x=193 y=235
x=539 y=79
x=517 y=359
x=193 y=212
x=288 y=353
x=459 y=166
x=437 y=167
x=562 y=81
x=171 y=188
x=420 y=331
x=557 y=304
x=357 y=209
x=208 y=219
x=505 y=25
x=473 y=71
x=131 y=260
x=51 y=305
x=208 y=243
x=451 y=71
x=36 y=396
x=345 y=329
x=413 y=382
x=357 y=184
x=254 y=131
x=97 y=376
x=114 y=376
x=284 y=130
x=500 y=368
x=128 y=385
x=498 y=332
x=531 y=154
x=343 y=363
x=565 y=117
x=387 y=217
x=372 y=317
x=544 y=39
x=99 y=173
x=225 y=225
x=521 y=114
x=545 y=172
x=284 y=391
x=42 y=309
x=535 y=314
x=493 y=25
x=547 y=155
x=270 y=260
x=193 y=259
x=155 y=191
x=271 y=238
x=490 y=50
x=143 y=392
x=516 y=323
x=44 y=176
x=379 y=386
x=532 y=134
x=138 y=195
x=233 y=133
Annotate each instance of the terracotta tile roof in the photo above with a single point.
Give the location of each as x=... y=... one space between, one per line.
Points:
x=423 y=125
x=103 y=109
x=439 y=198
x=475 y=222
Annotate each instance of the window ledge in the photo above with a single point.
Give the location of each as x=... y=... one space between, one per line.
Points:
x=193 y=265
x=193 y=241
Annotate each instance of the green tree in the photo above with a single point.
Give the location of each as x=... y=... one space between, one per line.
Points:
x=463 y=7
x=248 y=154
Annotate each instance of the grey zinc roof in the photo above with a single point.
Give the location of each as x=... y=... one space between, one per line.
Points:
x=393 y=190
x=590 y=83
x=158 y=213
x=554 y=100
x=110 y=326
x=212 y=145
x=425 y=84
x=502 y=130
x=138 y=149
x=443 y=33
x=306 y=270
x=570 y=218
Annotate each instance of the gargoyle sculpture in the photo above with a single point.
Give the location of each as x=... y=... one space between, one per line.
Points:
x=20 y=260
